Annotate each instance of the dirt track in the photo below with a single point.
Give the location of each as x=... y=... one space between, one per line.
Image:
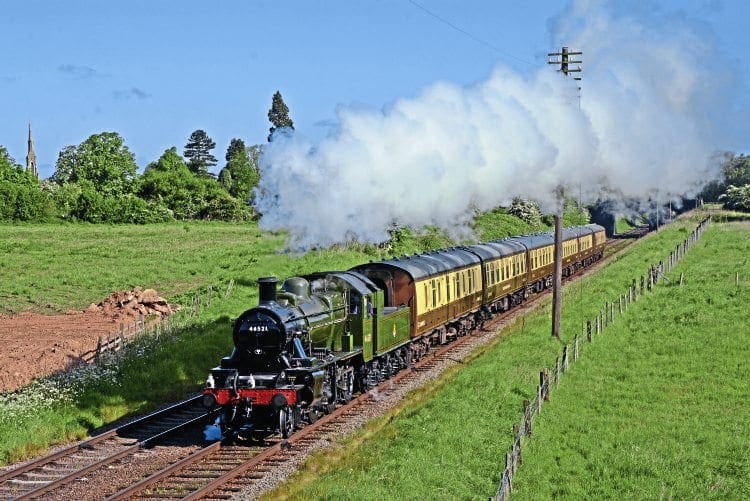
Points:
x=34 y=345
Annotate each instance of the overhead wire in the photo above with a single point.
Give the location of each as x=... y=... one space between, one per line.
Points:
x=470 y=35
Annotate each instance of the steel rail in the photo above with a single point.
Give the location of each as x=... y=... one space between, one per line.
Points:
x=87 y=445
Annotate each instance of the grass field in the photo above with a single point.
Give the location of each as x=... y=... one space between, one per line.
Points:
x=53 y=268
x=657 y=407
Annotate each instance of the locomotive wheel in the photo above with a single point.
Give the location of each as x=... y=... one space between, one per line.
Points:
x=286 y=423
x=347 y=392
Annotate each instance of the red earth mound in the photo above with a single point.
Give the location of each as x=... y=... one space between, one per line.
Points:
x=36 y=345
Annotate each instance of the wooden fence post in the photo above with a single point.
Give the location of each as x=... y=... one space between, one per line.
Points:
x=575 y=348
x=682 y=278
x=196 y=303
x=588 y=330
x=557 y=371
x=565 y=358
x=527 y=415
x=606 y=314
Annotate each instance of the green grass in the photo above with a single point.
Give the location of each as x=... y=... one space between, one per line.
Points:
x=449 y=441
x=622 y=225
x=51 y=268
x=658 y=407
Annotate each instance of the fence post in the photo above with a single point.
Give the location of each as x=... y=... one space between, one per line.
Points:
x=557 y=371
x=606 y=313
x=737 y=279
x=565 y=358
x=575 y=348
x=229 y=289
x=196 y=303
x=539 y=397
x=527 y=415
x=682 y=278
x=588 y=330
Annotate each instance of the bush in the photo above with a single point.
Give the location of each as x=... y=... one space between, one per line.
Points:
x=24 y=202
x=737 y=198
x=82 y=202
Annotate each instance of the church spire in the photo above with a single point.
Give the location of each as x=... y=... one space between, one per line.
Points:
x=31 y=157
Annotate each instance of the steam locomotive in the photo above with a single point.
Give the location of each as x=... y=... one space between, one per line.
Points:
x=319 y=339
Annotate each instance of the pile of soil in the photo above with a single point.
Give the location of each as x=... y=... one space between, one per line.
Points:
x=128 y=306
x=35 y=345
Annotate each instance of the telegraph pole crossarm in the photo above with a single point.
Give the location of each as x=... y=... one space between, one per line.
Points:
x=565 y=61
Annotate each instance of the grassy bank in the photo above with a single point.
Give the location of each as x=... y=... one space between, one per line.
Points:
x=659 y=406
x=449 y=441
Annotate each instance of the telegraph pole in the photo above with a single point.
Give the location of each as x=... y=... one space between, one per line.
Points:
x=565 y=61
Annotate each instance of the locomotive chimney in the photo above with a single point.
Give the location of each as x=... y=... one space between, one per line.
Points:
x=267 y=289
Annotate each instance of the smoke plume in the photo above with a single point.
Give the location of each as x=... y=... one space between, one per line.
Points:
x=647 y=124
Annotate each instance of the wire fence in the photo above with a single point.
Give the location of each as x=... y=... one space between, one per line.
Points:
x=606 y=316
x=129 y=332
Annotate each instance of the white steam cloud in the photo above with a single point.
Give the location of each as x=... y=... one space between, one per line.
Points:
x=654 y=93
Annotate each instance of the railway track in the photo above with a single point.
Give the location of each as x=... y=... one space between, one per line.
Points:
x=37 y=478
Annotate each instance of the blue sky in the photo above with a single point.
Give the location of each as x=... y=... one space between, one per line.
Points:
x=154 y=71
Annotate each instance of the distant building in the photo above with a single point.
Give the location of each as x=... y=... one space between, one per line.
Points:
x=31 y=157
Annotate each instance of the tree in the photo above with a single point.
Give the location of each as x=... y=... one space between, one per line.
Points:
x=170 y=183
x=198 y=152
x=235 y=146
x=737 y=170
x=737 y=198
x=170 y=160
x=66 y=164
x=21 y=197
x=526 y=210
x=9 y=169
x=278 y=115
x=241 y=175
x=103 y=159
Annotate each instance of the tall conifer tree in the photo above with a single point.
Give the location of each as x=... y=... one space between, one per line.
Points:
x=198 y=152
x=278 y=115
